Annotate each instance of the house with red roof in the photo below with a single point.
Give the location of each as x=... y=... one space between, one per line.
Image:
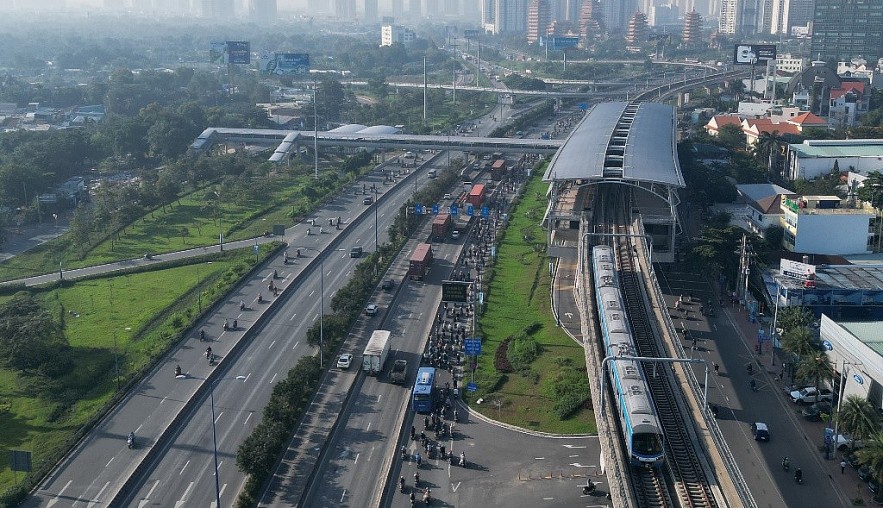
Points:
x=717 y=122
x=847 y=104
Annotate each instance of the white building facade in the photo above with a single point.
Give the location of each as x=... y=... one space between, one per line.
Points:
x=812 y=225
x=392 y=34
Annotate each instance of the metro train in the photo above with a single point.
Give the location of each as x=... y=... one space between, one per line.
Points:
x=637 y=414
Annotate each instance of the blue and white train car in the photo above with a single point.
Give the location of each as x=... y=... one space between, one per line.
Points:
x=643 y=433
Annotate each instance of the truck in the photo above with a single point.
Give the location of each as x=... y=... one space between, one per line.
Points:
x=476 y=195
x=399 y=372
x=420 y=261
x=376 y=352
x=441 y=226
x=498 y=169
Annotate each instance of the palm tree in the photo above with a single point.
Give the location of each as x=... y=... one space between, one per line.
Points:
x=800 y=342
x=767 y=146
x=872 y=456
x=793 y=317
x=816 y=368
x=858 y=417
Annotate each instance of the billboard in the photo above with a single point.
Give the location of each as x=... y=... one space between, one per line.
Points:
x=238 y=52
x=218 y=53
x=750 y=54
x=797 y=270
x=284 y=64
x=471 y=33
x=563 y=42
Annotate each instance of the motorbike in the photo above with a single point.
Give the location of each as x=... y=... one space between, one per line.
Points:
x=402 y=484
x=208 y=352
x=589 y=487
x=798 y=476
x=201 y=335
x=462 y=459
x=427 y=498
x=413 y=499
x=714 y=410
x=753 y=385
x=177 y=370
x=211 y=359
x=786 y=464
x=750 y=368
x=260 y=299
x=241 y=305
x=416 y=479
x=130 y=440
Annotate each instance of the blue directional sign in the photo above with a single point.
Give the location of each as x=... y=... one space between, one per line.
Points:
x=470 y=210
x=434 y=209
x=472 y=347
x=472 y=387
x=419 y=210
x=583 y=106
x=485 y=212
x=455 y=210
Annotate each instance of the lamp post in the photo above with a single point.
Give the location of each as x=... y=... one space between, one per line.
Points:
x=376 y=242
x=319 y=253
x=215 y=436
x=220 y=222
x=315 y=134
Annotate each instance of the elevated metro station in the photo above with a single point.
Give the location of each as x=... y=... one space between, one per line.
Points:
x=618 y=143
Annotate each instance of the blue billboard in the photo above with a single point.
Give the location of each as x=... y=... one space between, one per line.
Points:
x=238 y=52
x=563 y=42
x=285 y=64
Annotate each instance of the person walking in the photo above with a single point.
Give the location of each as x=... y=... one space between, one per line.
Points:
x=842 y=466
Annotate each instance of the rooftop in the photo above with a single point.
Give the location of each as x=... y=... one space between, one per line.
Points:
x=839 y=148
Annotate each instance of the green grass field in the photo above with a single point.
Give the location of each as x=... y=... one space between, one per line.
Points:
x=136 y=316
x=519 y=298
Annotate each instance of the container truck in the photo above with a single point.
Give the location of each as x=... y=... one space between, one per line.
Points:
x=376 y=352
x=420 y=261
x=441 y=226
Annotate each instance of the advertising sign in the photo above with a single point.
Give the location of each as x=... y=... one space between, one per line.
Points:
x=284 y=64
x=797 y=270
x=238 y=52
x=750 y=54
x=563 y=42
x=470 y=34
x=218 y=53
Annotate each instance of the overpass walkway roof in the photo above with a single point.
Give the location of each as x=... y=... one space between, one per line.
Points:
x=286 y=139
x=621 y=141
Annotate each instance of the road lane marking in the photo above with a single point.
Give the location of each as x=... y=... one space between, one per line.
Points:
x=315 y=317
x=60 y=493
x=181 y=501
x=539 y=458
x=139 y=428
x=218 y=417
x=247 y=418
x=274 y=377
x=162 y=401
x=219 y=465
x=573 y=447
x=456 y=486
x=356 y=461
x=368 y=427
x=183 y=468
x=343 y=495
x=96 y=502
x=272 y=344
x=312 y=292
x=292 y=316
x=246 y=377
x=150 y=492
x=296 y=344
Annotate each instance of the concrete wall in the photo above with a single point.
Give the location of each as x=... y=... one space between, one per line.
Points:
x=836 y=233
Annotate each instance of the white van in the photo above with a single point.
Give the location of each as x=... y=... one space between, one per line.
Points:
x=431 y=173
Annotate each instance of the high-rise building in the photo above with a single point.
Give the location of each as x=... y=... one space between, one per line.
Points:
x=370 y=12
x=415 y=9
x=430 y=8
x=591 y=22
x=395 y=34
x=846 y=29
x=539 y=17
x=617 y=14
x=450 y=7
x=398 y=8
x=345 y=10
x=262 y=11
x=472 y=10
x=741 y=17
x=510 y=16
x=217 y=9
x=487 y=13
x=790 y=13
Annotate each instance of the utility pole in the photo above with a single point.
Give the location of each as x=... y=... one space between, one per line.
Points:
x=424 y=90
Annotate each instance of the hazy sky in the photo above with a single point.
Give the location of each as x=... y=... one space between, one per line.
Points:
x=282 y=4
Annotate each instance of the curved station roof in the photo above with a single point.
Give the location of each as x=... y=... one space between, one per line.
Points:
x=621 y=141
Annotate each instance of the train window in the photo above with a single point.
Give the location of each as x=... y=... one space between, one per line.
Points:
x=646 y=444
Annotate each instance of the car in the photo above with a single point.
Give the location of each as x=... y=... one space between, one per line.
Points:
x=368 y=200
x=344 y=361
x=810 y=395
x=760 y=431
x=371 y=309
x=844 y=442
x=455 y=235
x=448 y=195
x=815 y=411
x=388 y=284
x=356 y=252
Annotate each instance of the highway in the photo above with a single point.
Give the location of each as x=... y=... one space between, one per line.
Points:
x=184 y=474
x=96 y=469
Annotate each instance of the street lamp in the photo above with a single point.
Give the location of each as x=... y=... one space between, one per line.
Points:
x=321 y=257
x=215 y=436
x=220 y=222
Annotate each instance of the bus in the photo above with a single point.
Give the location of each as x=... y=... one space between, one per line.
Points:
x=424 y=390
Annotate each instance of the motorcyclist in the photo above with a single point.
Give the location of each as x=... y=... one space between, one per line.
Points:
x=177 y=370
x=201 y=335
x=416 y=478
x=753 y=385
x=463 y=459
x=402 y=483
x=786 y=463
x=413 y=498
x=426 y=495
x=235 y=324
x=130 y=439
x=260 y=299
x=241 y=305
x=208 y=351
x=798 y=475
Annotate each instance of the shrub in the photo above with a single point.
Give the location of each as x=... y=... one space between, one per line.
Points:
x=522 y=351
x=501 y=357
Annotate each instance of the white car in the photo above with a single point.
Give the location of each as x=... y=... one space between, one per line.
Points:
x=371 y=309
x=810 y=395
x=448 y=195
x=344 y=361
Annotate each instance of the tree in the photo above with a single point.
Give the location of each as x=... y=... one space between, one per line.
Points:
x=871 y=190
x=792 y=318
x=816 y=368
x=773 y=235
x=872 y=456
x=30 y=337
x=799 y=341
x=858 y=417
x=731 y=136
x=767 y=147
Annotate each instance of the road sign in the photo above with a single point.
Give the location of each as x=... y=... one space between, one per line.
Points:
x=485 y=212
x=434 y=209
x=455 y=291
x=455 y=210
x=470 y=210
x=472 y=347
x=472 y=387
x=419 y=210
x=584 y=106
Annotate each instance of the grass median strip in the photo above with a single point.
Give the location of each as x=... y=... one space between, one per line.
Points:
x=530 y=374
